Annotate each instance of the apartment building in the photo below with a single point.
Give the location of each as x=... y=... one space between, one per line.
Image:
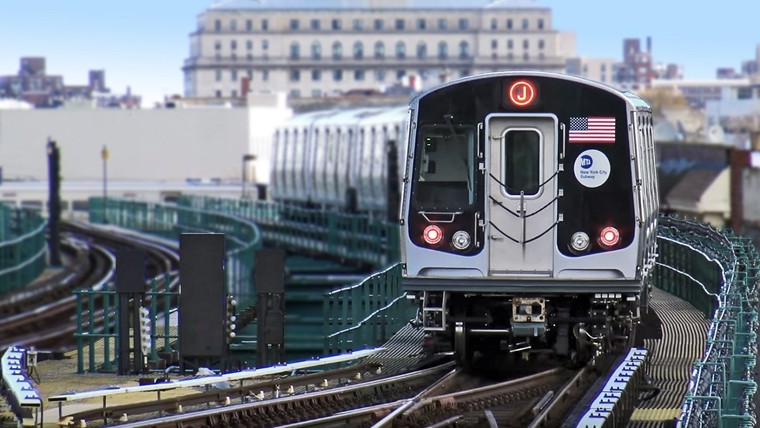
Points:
x=317 y=48
x=600 y=69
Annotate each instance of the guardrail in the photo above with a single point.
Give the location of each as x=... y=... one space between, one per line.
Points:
x=366 y=314
x=243 y=238
x=352 y=237
x=719 y=273
x=97 y=320
x=22 y=247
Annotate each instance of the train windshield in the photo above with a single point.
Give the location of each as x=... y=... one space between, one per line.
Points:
x=445 y=168
x=522 y=151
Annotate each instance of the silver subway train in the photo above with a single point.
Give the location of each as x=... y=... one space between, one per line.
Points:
x=528 y=214
x=345 y=160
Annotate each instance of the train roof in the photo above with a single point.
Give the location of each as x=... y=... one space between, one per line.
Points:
x=342 y=117
x=308 y=118
x=363 y=115
x=266 y=5
x=636 y=101
x=388 y=115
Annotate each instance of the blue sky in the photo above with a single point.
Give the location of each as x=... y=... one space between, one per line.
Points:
x=143 y=43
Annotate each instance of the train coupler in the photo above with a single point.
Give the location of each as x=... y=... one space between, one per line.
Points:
x=528 y=316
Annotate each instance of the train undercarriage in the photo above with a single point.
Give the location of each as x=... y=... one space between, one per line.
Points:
x=576 y=328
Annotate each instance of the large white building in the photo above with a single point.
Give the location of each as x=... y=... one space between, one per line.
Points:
x=316 y=48
x=601 y=69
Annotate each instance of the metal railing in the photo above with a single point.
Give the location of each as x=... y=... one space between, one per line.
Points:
x=23 y=249
x=351 y=237
x=97 y=314
x=243 y=238
x=718 y=272
x=366 y=314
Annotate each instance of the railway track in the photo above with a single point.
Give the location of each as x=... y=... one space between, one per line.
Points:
x=44 y=315
x=358 y=396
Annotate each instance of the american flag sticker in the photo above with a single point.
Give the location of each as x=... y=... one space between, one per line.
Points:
x=592 y=129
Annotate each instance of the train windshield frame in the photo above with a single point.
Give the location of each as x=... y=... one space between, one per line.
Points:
x=444 y=173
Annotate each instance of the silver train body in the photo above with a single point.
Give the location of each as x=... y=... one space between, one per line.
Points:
x=529 y=214
x=340 y=159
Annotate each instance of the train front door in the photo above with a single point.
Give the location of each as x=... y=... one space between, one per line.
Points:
x=521 y=177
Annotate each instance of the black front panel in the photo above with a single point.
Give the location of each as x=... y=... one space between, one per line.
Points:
x=580 y=108
x=130 y=271
x=203 y=295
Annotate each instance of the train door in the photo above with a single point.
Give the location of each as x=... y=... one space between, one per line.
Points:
x=522 y=193
x=331 y=165
x=365 y=177
x=343 y=167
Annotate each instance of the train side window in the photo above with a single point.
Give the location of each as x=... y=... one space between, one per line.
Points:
x=521 y=161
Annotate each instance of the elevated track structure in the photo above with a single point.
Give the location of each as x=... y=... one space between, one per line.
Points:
x=714 y=270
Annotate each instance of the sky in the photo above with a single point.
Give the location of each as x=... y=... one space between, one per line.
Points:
x=143 y=43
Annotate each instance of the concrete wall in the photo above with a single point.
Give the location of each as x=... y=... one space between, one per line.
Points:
x=716 y=198
x=266 y=112
x=150 y=145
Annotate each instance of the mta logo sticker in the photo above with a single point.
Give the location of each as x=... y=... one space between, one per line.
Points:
x=592 y=168
x=587 y=161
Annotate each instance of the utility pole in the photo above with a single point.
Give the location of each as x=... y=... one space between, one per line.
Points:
x=54 y=201
x=104 y=156
x=244 y=176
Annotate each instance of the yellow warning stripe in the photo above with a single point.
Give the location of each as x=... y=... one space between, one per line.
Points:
x=662 y=414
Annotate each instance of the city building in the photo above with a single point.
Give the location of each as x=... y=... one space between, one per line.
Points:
x=636 y=71
x=333 y=47
x=699 y=92
x=749 y=68
x=735 y=113
x=33 y=85
x=599 y=69
x=668 y=71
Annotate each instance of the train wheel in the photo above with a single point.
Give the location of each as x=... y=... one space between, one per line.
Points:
x=462 y=351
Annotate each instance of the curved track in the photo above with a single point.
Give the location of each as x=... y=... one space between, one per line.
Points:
x=44 y=314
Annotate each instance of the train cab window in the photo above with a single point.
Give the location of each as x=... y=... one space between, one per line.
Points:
x=521 y=161
x=445 y=171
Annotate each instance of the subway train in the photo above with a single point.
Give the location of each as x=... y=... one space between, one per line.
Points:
x=529 y=215
x=341 y=160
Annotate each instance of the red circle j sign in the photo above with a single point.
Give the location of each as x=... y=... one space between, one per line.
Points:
x=522 y=93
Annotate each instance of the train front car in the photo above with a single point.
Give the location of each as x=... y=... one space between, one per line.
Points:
x=529 y=215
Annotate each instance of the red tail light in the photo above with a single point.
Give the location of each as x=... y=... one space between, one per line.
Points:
x=609 y=237
x=432 y=234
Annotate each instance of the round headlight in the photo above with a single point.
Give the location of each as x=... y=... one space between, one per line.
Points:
x=432 y=234
x=580 y=241
x=460 y=240
x=609 y=237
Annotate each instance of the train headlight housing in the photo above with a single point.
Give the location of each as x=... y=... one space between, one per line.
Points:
x=580 y=241
x=461 y=240
x=609 y=237
x=432 y=234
